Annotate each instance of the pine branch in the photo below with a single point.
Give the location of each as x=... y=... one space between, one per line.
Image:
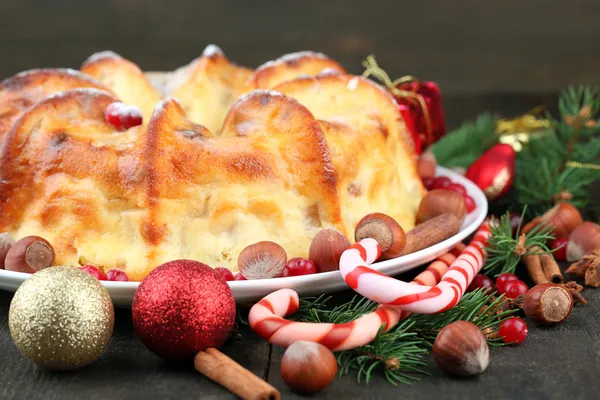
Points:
x=462 y=146
x=505 y=250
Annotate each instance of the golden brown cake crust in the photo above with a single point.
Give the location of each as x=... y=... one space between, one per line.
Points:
x=196 y=182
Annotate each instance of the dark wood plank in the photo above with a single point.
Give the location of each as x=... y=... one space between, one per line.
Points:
x=468 y=46
x=127 y=370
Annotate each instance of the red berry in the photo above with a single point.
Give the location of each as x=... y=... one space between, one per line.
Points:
x=515 y=220
x=458 y=188
x=561 y=245
x=225 y=273
x=481 y=281
x=94 y=271
x=502 y=280
x=123 y=116
x=441 y=182
x=514 y=288
x=428 y=183
x=469 y=204
x=513 y=330
x=117 y=275
x=239 y=277
x=299 y=266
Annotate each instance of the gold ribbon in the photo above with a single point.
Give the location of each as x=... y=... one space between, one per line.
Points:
x=373 y=69
x=518 y=131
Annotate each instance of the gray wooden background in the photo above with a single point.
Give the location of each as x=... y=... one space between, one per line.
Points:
x=470 y=47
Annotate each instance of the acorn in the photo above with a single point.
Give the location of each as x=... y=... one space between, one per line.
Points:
x=385 y=230
x=547 y=304
x=326 y=249
x=563 y=217
x=30 y=254
x=262 y=260
x=461 y=349
x=308 y=367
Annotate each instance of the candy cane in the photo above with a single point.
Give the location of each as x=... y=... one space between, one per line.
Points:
x=266 y=320
x=409 y=297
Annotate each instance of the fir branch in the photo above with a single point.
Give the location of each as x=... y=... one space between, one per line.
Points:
x=505 y=251
x=462 y=146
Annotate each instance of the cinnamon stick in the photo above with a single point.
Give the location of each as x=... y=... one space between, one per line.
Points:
x=219 y=368
x=430 y=232
x=551 y=268
x=533 y=263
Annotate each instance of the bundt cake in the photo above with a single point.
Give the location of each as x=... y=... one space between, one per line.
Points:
x=226 y=156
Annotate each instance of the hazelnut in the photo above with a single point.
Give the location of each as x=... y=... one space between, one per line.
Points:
x=6 y=242
x=30 y=254
x=583 y=240
x=547 y=304
x=441 y=201
x=326 y=249
x=308 y=367
x=461 y=349
x=385 y=230
x=564 y=217
x=262 y=260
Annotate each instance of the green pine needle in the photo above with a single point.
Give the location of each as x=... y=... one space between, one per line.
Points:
x=501 y=245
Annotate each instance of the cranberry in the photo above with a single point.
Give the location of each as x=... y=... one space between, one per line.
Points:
x=514 y=288
x=502 y=280
x=123 y=116
x=428 y=183
x=299 y=266
x=561 y=245
x=441 y=182
x=513 y=330
x=469 y=204
x=94 y=271
x=481 y=281
x=117 y=275
x=458 y=188
x=515 y=221
x=225 y=273
x=239 y=277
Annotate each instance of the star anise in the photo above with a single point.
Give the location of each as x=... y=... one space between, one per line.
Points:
x=581 y=119
x=588 y=267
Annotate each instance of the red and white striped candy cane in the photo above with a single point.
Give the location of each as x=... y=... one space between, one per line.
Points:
x=409 y=297
x=266 y=320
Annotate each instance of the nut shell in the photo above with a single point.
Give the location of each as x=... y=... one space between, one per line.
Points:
x=583 y=240
x=6 y=242
x=461 y=349
x=326 y=249
x=262 y=260
x=441 y=201
x=30 y=254
x=548 y=304
x=385 y=230
x=564 y=217
x=308 y=367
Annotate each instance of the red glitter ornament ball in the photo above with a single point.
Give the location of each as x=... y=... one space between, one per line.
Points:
x=181 y=308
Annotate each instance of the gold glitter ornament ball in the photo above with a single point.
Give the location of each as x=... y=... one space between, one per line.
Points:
x=61 y=318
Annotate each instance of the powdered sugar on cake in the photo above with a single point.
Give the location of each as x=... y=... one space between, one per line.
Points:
x=211 y=50
x=101 y=55
x=292 y=57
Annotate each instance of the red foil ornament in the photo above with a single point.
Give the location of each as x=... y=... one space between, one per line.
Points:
x=494 y=171
x=181 y=308
x=420 y=104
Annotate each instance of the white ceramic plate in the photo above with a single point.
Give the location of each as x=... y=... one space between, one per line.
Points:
x=248 y=291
